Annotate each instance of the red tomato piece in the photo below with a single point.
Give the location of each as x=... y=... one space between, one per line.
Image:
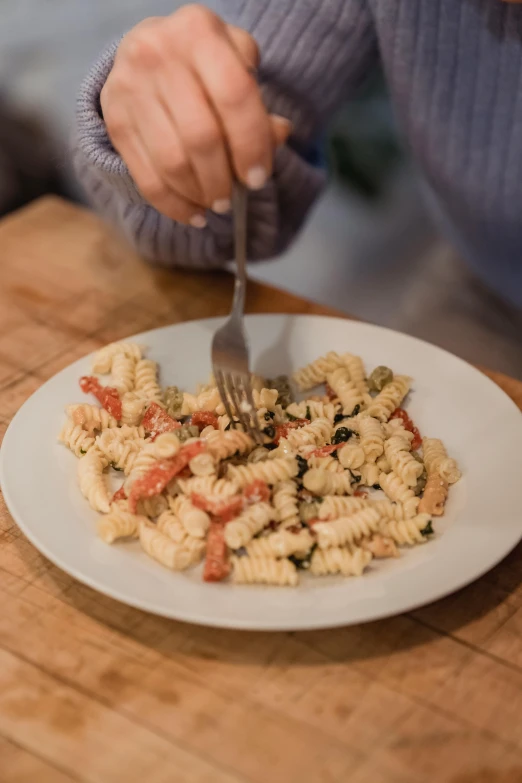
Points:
x=107 y=396
x=223 y=510
x=360 y=493
x=120 y=494
x=162 y=472
x=156 y=421
x=257 y=492
x=400 y=413
x=204 y=419
x=324 y=451
x=217 y=565
x=282 y=430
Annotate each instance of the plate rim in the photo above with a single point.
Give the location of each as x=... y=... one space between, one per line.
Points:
x=229 y=622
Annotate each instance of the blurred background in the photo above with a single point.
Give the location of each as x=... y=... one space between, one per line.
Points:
x=369 y=249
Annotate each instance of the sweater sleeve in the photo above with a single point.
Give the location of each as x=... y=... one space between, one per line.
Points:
x=312 y=55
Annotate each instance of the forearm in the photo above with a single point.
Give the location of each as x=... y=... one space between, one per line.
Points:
x=311 y=57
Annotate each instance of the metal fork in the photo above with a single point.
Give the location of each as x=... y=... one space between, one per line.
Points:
x=230 y=352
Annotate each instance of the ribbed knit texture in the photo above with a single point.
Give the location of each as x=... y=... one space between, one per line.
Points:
x=454 y=68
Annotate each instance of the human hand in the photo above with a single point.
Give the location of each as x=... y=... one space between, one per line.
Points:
x=184 y=111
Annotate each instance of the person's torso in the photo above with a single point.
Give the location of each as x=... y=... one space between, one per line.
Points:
x=454 y=68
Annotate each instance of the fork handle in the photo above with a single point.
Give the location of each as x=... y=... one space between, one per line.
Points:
x=240 y=204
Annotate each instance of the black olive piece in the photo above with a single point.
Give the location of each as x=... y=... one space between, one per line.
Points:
x=376 y=486
x=241 y=552
x=269 y=415
x=341 y=435
x=270 y=446
x=270 y=432
x=302 y=465
x=338 y=417
x=428 y=530
x=303 y=564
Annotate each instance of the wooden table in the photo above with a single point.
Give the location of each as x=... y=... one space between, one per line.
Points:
x=91 y=690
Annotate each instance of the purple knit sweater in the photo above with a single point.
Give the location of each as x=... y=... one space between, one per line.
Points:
x=454 y=68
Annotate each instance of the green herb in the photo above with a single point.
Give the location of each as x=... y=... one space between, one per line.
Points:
x=270 y=432
x=341 y=435
x=428 y=530
x=355 y=479
x=290 y=417
x=115 y=467
x=269 y=415
x=308 y=412
x=303 y=564
x=338 y=417
x=355 y=411
x=82 y=451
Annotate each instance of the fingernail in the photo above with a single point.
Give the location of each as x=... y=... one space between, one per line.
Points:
x=198 y=221
x=256 y=178
x=221 y=206
x=283 y=121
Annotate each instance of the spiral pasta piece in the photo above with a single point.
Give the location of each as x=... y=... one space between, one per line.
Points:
x=146 y=380
x=322 y=482
x=408 y=531
x=315 y=373
x=264 y=570
x=265 y=398
x=195 y=521
x=397 y=490
x=340 y=560
x=76 y=439
x=369 y=473
x=407 y=468
x=313 y=409
x=208 y=486
x=222 y=445
x=161 y=548
x=271 y=472
x=325 y=463
x=334 y=506
x=118 y=523
x=284 y=498
x=397 y=511
x=371 y=436
x=389 y=398
x=281 y=544
x=103 y=359
x=345 y=389
x=123 y=373
x=90 y=417
x=347 y=530
x=133 y=406
x=207 y=400
x=383 y=465
x=355 y=367
x=316 y=433
x=169 y=524
x=250 y=522
x=92 y=481
x=351 y=455
x=437 y=461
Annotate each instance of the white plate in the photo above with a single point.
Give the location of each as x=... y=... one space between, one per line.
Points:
x=480 y=425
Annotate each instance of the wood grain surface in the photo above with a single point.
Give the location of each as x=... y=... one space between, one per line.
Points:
x=91 y=690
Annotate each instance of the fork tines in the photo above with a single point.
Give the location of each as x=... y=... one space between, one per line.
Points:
x=236 y=394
